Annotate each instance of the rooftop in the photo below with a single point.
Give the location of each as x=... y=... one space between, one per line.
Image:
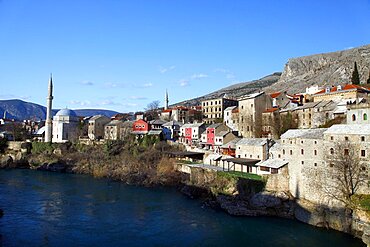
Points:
x=230 y=108
x=304 y=133
x=252 y=141
x=231 y=144
x=348 y=87
x=251 y=96
x=349 y=129
x=273 y=163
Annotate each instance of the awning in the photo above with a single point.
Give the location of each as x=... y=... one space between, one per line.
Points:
x=243 y=161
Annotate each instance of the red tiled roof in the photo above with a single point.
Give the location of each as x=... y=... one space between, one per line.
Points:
x=235 y=110
x=168 y=110
x=271 y=109
x=274 y=95
x=346 y=87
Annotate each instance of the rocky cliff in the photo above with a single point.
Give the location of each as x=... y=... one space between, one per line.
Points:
x=323 y=69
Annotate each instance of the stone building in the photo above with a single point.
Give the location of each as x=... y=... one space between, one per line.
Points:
x=358 y=113
x=251 y=108
x=96 y=126
x=271 y=123
x=309 y=152
x=65 y=126
x=112 y=130
x=303 y=149
x=337 y=93
x=252 y=148
x=213 y=109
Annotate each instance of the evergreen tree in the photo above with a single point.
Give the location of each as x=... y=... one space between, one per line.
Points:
x=355 y=76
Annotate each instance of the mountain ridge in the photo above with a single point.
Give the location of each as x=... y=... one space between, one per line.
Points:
x=21 y=110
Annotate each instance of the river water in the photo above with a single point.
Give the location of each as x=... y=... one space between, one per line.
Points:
x=52 y=209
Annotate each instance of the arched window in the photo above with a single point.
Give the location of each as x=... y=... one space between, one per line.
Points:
x=353 y=117
x=365 y=116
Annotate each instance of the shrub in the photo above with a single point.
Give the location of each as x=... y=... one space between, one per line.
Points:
x=42 y=147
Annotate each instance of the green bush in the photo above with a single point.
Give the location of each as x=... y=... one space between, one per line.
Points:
x=42 y=147
x=233 y=174
x=113 y=147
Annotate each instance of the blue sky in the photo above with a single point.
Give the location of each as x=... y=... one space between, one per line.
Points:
x=121 y=55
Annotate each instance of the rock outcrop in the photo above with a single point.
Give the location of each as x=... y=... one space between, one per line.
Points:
x=323 y=69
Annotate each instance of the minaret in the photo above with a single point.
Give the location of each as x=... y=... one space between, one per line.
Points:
x=166 y=101
x=49 y=123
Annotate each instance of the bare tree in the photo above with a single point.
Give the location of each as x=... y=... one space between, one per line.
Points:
x=154 y=105
x=346 y=173
x=151 y=109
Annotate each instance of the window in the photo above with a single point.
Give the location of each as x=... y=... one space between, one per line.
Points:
x=302 y=151
x=302 y=162
x=332 y=151
x=331 y=165
x=283 y=151
x=302 y=142
x=365 y=116
x=251 y=105
x=279 y=155
x=315 y=152
x=353 y=117
x=315 y=164
x=346 y=151
x=331 y=138
x=363 y=153
x=291 y=152
x=346 y=138
x=250 y=156
x=315 y=142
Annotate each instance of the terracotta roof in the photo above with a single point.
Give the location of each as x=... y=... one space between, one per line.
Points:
x=271 y=109
x=346 y=87
x=236 y=110
x=274 y=95
x=168 y=110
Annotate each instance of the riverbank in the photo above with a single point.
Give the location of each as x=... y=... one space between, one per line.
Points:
x=147 y=165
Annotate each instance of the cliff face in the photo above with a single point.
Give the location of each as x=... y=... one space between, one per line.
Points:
x=323 y=69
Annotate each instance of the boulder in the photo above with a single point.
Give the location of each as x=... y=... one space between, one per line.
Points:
x=53 y=167
x=6 y=161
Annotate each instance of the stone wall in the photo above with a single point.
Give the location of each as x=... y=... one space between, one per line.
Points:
x=277 y=182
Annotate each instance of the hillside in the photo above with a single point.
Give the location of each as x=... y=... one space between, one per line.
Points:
x=21 y=110
x=324 y=69
x=236 y=90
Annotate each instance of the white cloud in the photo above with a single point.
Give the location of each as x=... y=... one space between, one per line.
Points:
x=228 y=73
x=108 y=102
x=184 y=83
x=114 y=85
x=163 y=70
x=87 y=83
x=147 y=85
x=138 y=97
x=130 y=105
x=80 y=103
x=199 y=76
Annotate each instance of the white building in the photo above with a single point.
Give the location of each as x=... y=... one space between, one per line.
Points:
x=65 y=126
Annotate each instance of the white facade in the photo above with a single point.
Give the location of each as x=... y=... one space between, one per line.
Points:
x=65 y=126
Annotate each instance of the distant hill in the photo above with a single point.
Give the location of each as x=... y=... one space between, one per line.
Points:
x=20 y=110
x=236 y=90
x=326 y=69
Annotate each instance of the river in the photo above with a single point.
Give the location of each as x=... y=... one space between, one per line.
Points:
x=53 y=209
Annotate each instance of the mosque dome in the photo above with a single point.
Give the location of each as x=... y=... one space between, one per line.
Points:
x=66 y=112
